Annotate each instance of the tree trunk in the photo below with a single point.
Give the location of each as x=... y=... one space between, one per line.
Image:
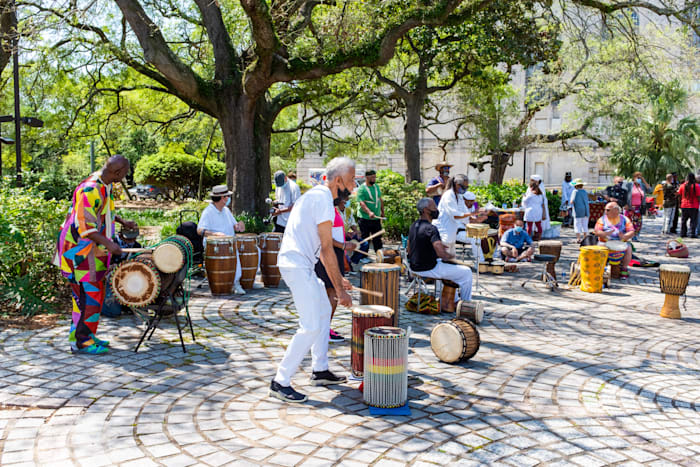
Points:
x=246 y=135
x=499 y=164
x=411 y=147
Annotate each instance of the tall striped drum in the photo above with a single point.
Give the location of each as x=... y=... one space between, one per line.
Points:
x=247 y=246
x=592 y=259
x=365 y=317
x=384 y=278
x=616 y=251
x=386 y=367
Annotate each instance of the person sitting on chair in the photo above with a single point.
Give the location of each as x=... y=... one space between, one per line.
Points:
x=615 y=226
x=427 y=254
x=516 y=244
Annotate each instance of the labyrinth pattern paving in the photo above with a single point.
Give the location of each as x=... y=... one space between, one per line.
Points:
x=561 y=377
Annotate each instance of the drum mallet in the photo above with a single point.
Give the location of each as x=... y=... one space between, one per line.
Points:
x=136 y=250
x=368 y=292
x=369 y=255
x=376 y=234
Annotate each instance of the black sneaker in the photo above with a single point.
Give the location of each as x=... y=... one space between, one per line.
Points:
x=324 y=378
x=335 y=337
x=286 y=393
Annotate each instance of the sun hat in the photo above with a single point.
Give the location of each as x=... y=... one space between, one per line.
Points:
x=220 y=190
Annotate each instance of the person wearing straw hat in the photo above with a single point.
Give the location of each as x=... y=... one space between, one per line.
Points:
x=580 y=209
x=436 y=186
x=217 y=220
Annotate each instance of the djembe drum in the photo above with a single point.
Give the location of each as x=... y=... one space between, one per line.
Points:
x=673 y=280
x=447 y=297
x=551 y=247
x=616 y=251
x=386 y=367
x=477 y=230
x=384 y=278
x=454 y=341
x=172 y=253
x=270 y=243
x=473 y=310
x=592 y=259
x=389 y=256
x=247 y=246
x=136 y=282
x=220 y=264
x=365 y=317
x=497 y=266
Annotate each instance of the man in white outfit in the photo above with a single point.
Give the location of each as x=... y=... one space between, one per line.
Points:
x=307 y=235
x=217 y=220
x=473 y=216
x=426 y=251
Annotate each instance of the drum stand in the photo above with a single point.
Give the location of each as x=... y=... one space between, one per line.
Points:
x=476 y=261
x=172 y=300
x=545 y=276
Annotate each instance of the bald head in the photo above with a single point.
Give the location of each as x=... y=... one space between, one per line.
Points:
x=115 y=169
x=612 y=209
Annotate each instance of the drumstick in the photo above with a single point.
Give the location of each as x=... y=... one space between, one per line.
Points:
x=376 y=234
x=371 y=256
x=368 y=292
x=136 y=250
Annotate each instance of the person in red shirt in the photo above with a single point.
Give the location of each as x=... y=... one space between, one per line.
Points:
x=689 y=194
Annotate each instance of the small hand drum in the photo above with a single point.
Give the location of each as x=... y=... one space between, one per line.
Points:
x=472 y=310
x=673 y=280
x=477 y=230
x=454 y=341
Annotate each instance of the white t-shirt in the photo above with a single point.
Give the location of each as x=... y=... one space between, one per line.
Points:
x=296 y=191
x=217 y=221
x=449 y=207
x=301 y=244
x=533 y=207
x=286 y=196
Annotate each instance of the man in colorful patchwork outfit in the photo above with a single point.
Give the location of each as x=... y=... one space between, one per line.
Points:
x=85 y=246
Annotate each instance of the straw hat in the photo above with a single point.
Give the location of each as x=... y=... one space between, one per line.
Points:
x=220 y=190
x=439 y=166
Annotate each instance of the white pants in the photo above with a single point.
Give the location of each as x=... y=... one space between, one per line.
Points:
x=314 y=309
x=669 y=213
x=474 y=242
x=462 y=275
x=581 y=225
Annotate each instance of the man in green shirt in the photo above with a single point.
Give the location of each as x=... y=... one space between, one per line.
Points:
x=370 y=208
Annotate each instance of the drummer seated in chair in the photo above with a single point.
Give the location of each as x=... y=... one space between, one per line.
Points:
x=427 y=253
x=516 y=244
x=615 y=226
x=217 y=220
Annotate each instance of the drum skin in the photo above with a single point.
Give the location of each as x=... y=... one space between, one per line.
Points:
x=270 y=243
x=454 y=341
x=247 y=246
x=365 y=317
x=220 y=264
x=592 y=259
x=136 y=282
x=384 y=278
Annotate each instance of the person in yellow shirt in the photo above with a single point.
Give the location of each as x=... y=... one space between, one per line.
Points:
x=659 y=195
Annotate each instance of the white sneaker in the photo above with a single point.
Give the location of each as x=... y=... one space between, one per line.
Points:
x=258 y=285
x=238 y=290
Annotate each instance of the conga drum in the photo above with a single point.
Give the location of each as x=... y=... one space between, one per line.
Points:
x=247 y=247
x=386 y=367
x=384 y=278
x=136 y=282
x=505 y=222
x=497 y=266
x=454 y=341
x=270 y=243
x=389 y=256
x=592 y=259
x=673 y=280
x=488 y=244
x=473 y=310
x=172 y=253
x=447 y=297
x=363 y=318
x=220 y=264
x=551 y=247
x=616 y=251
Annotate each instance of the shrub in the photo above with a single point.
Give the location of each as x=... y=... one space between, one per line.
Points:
x=29 y=227
x=400 y=200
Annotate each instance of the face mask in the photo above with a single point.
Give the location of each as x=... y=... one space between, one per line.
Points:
x=619 y=183
x=461 y=190
x=370 y=183
x=228 y=201
x=568 y=179
x=518 y=229
x=345 y=193
x=434 y=214
x=639 y=181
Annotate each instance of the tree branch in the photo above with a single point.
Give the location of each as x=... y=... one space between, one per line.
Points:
x=225 y=57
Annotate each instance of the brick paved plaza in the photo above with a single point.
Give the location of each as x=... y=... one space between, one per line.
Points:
x=561 y=378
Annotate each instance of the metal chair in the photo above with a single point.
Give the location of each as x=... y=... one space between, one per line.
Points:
x=544 y=276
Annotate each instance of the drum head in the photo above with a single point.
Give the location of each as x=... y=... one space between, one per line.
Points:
x=379 y=267
x=384 y=332
x=136 y=283
x=369 y=311
x=168 y=257
x=616 y=245
x=447 y=342
x=219 y=240
x=674 y=268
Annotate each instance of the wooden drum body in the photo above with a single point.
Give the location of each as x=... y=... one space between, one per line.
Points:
x=270 y=246
x=384 y=278
x=386 y=367
x=616 y=251
x=447 y=297
x=673 y=280
x=488 y=244
x=136 y=282
x=473 y=311
x=454 y=341
x=551 y=247
x=592 y=259
x=505 y=222
x=247 y=246
x=220 y=264
x=365 y=317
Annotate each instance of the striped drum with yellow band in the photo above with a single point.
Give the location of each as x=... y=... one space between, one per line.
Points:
x=386 y=367
x=592 y=259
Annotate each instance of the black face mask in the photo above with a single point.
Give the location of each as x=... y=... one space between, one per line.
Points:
x=434 y=214
x=568 y=179
x=370 y=183
x=342 y=194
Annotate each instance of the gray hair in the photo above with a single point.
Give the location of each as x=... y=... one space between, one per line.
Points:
x=460 y=180
x=339 y=167
x=423 y=203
